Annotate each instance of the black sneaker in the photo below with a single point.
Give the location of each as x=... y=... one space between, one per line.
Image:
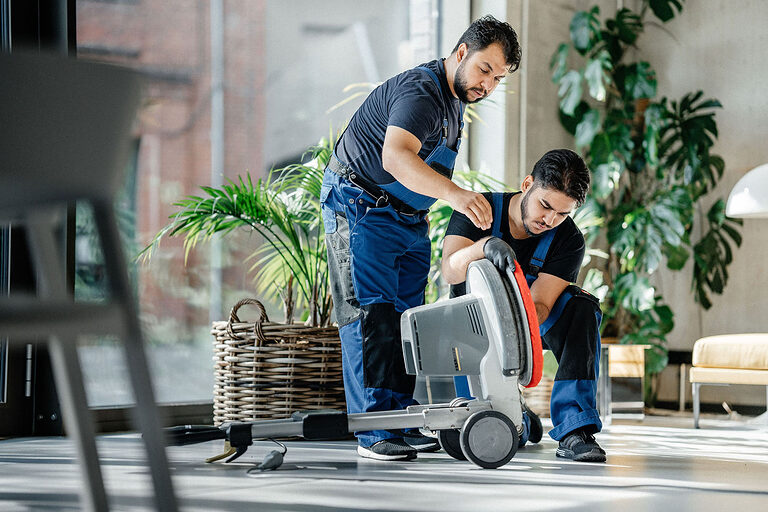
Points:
x=580 y=447
x=388 y=449
x=421 y=443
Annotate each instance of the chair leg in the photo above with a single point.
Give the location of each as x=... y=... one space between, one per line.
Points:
x=146 y=412
x=78 y=419
x=66 y=365
x=695 y=390
x=681 y=391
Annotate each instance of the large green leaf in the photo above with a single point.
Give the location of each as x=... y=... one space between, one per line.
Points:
x=558 y=63
x=587 y=128
x=654 y=116
x=713 y=253
x=627 y=26
x=596 y=74
x=585 y=29
x=665 y=9
x=677 y=256
x=636 y=81
x=570 y=91
x=635 y=292
x=686 y=139
x=604 y=178
x=570 y=122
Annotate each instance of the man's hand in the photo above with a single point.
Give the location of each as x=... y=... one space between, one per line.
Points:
x=473 y=205
x=498 y=252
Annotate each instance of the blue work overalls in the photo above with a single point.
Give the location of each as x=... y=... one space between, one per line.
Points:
x=378 y=260
x=571 y=332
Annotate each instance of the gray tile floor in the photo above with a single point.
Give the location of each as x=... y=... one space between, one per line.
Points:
x=657 y=464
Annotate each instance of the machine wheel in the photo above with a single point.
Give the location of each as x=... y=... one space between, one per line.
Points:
x=449 y=441
x=489 y=439
x=537 y=429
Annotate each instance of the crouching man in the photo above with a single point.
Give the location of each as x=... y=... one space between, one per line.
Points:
x=534 y=227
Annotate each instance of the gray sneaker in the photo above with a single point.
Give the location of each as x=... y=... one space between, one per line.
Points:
x=580 y=447
x=388 y=449
x=421 y=443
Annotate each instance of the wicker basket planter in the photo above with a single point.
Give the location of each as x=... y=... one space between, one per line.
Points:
x=266 y=370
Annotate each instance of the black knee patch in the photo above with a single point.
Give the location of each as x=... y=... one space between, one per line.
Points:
x=574 y=338
x=383 y=365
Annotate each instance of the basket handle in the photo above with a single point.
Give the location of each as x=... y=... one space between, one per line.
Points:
x=233 y=318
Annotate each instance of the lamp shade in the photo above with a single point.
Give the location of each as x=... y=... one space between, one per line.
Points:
x=749 y=197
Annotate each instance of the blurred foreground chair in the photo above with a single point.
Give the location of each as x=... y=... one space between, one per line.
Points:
x=64 y=128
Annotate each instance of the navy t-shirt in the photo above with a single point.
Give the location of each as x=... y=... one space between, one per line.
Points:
x=411 y=101
x=563 y=259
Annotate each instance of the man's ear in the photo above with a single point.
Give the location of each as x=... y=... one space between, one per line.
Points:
x=461 y=52
x=527 y=184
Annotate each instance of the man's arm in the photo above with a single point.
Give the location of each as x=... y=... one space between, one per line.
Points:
x=459 y=252
x=544 y=292
x=400 y=158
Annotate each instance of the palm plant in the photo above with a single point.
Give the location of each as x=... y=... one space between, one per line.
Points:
x=285 y=210
x=652 y=167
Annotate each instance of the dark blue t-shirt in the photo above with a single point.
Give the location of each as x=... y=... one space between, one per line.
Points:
x=411 y=101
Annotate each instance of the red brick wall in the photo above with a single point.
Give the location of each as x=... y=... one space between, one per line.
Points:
x=169 y=41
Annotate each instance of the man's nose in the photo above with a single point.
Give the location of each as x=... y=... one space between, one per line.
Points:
x=549 y=219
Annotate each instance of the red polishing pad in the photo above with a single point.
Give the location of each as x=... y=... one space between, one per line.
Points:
x=533 y=326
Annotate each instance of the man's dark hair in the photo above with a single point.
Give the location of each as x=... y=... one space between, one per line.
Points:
x=565 y=171
x=488 y=30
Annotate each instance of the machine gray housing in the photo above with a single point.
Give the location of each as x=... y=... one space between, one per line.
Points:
x=452 y=337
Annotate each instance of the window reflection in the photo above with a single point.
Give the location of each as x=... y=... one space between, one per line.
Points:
x=282 y=65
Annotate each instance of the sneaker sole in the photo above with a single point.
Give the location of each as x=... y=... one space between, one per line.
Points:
x=369 y=454
x=590 y=456
x=429 y=448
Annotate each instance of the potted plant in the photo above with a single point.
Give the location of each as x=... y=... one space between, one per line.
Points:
x=652 y=165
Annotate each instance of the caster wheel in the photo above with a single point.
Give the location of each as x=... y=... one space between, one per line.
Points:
x=489 y=439
x=449 y=441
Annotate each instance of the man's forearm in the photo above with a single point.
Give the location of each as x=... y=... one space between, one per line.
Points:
x=542 y=312
x=455 y=265
x=410 y=170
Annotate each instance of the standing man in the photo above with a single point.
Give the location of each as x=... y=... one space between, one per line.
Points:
x=533 y=228
x=393 y=161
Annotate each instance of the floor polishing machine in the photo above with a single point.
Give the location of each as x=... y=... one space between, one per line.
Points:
x=490 y=335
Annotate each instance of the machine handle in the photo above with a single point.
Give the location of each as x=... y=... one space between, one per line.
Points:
x=192 y=434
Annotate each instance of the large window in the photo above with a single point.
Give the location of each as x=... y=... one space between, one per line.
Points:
x=232 y=86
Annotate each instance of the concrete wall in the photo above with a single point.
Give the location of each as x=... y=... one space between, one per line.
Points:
x=712 y=45
x=719 y=47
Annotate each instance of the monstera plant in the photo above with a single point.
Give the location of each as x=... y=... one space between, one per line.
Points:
x=653 y=172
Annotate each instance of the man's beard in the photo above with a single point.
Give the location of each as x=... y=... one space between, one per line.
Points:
x=524 y=217
x=460 y=85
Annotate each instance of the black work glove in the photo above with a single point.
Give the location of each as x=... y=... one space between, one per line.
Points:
x=498 y=252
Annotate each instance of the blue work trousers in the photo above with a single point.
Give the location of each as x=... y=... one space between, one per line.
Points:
x=572 y=333
x=378 y=262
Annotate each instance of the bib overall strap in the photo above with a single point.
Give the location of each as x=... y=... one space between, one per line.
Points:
x=539 y=256
x=435 y=79
x=498 y=210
